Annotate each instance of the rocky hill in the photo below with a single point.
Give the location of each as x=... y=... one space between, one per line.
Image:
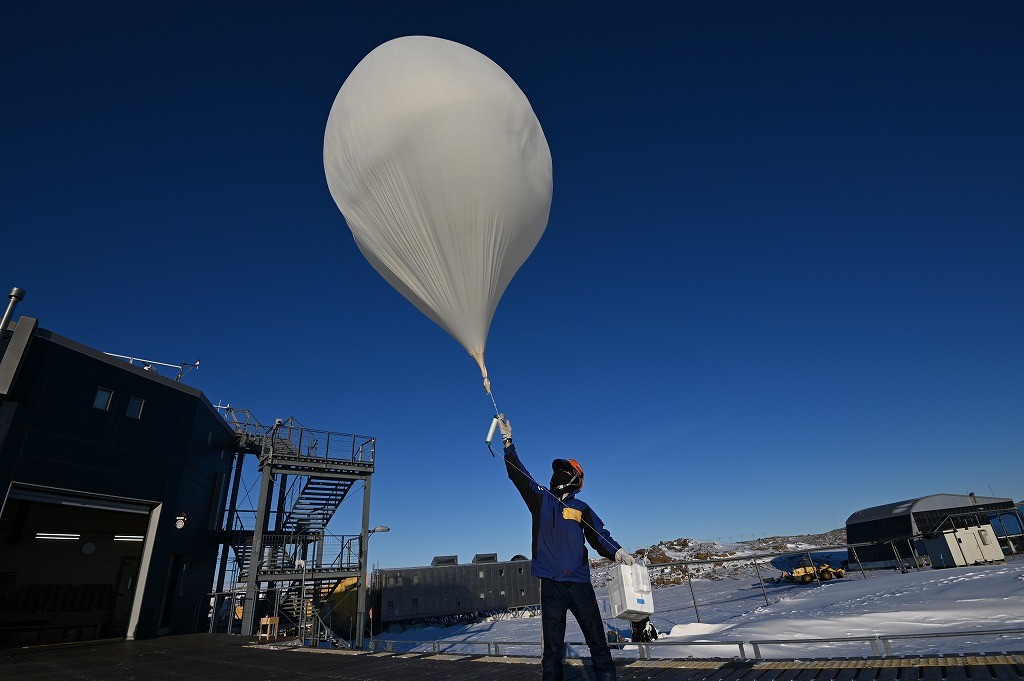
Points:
x=725 y=560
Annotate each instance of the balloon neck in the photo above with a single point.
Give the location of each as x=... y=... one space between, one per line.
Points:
x=479 y=357
x=487 y=381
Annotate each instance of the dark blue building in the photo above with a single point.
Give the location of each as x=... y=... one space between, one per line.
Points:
x=112 y=489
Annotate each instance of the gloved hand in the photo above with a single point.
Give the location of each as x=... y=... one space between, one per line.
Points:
x=506 y=429
x=621 y=556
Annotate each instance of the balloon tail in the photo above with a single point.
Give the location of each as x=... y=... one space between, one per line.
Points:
x=479 y=357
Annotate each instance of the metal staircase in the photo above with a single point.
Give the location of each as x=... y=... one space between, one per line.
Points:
x=283 y=545
x=316 y=504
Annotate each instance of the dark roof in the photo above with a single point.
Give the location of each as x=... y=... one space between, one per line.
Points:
x=884 y=511
x=926 y=503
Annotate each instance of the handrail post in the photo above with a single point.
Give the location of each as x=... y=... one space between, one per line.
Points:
x=874 y=646
x=689 y=580
x=757 y=650
x=760 y=581
x=888 y=647
x=743 y=653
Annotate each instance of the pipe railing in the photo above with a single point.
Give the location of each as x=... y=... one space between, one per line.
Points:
x=881 y=644
x=291 y=437
x=887 y=639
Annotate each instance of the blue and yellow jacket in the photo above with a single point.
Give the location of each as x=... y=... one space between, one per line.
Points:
x=559 y=528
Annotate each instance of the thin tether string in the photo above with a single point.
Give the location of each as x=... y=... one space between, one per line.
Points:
x=497 y=415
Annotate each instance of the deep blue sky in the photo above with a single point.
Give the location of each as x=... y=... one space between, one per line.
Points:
x=782 y=279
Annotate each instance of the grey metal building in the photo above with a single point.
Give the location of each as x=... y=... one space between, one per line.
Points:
x=897 y=529
x=448 y=588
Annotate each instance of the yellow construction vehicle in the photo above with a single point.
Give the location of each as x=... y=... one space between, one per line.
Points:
x=805 y=574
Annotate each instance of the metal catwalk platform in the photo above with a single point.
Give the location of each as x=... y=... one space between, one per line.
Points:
x=235 y=658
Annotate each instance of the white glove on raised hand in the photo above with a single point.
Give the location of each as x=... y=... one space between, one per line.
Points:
x=621 y=556
x=506 y=429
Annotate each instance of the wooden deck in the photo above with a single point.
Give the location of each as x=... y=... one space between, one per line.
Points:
x=233 y=658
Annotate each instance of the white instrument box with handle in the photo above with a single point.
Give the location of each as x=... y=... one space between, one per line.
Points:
x=629 y=592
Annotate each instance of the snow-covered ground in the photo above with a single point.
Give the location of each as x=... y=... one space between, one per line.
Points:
x=734 y=608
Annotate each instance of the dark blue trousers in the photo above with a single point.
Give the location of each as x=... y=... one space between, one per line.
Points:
x=557 y=598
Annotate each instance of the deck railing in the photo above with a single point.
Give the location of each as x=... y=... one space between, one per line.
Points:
x=881 y=645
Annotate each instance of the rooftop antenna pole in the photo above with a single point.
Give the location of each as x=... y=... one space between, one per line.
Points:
x=16 y=296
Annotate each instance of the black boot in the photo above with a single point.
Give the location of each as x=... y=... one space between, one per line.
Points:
x=605 y=676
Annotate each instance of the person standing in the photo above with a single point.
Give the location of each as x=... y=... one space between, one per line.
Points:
x=561 y=526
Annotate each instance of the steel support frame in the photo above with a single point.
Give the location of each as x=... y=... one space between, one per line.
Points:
x=269 y=472
x=364 y=541
x=229 y=523
x=255 y=556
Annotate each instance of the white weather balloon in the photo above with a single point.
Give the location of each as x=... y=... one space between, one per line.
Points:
x=441 y=169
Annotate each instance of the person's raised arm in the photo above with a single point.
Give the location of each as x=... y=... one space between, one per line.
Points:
x=517 y=472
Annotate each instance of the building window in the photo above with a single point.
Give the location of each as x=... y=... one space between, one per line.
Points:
x=481 y=596
x=520 y=570
x=135 y=408
x=502 y=594
x=481 y=574
x=522 y=592
x=501 y=572
x=103 y=398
